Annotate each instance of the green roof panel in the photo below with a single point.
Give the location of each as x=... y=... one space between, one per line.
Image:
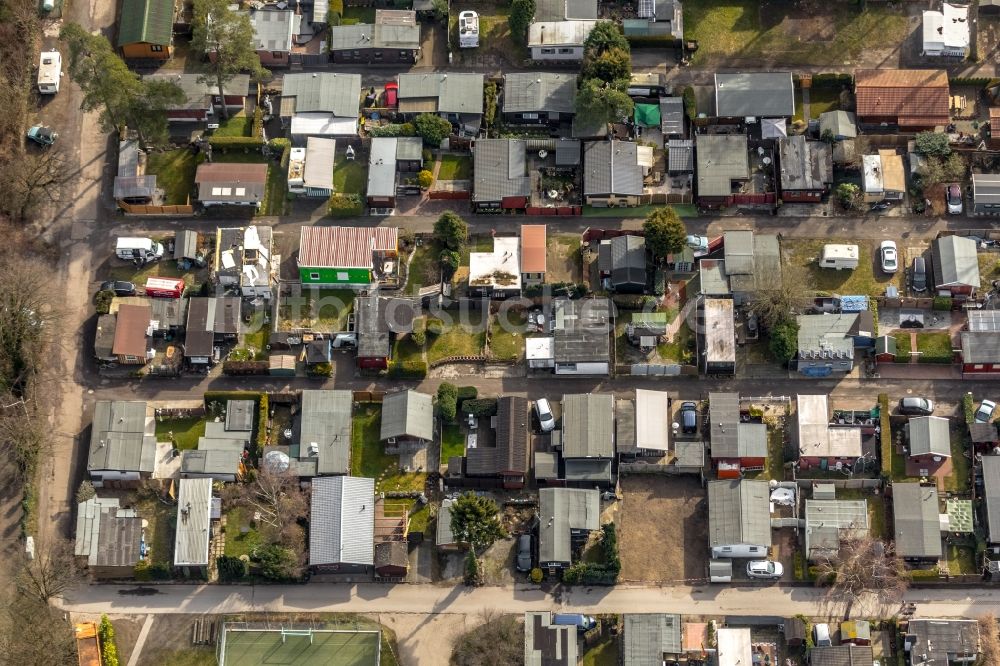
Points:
x=149 y=21
x=647 y=115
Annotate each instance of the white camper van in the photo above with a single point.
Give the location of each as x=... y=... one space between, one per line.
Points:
x=49 y=71
x=130 y=248
x=839 y=256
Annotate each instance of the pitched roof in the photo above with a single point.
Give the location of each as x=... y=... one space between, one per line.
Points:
x=839 y=123
x=407 y=414
x=729 y=437
x=559 y=33
x=738 y=513
x=757 y=94
x=991 y=492
x=512 y=435
x=274 y=29
x=538 y=91
x=342 y=521
x=986 y=188
x=557 y=10
x=956 y=262
x=929 y=435
x=628 y=260
x=913 y=96
x=119 y=439
x=447 y=92
x=842 y=655
x=130 y=330
x=647 y=637
x=805 y=165
x=198 y=93
x=722 y=158
x=194 y=510
x=560 y=511
x=231 y=181
x=828 y=522
x=533 y=248
x=588 y=425
x=149 y=21
x=344 y=247
x=916 y=520
x=672 y=115
x=393 y=29
x=500 y=169
x=612 y=167
x=335 y=93
x=326 y=421
x=546 y=644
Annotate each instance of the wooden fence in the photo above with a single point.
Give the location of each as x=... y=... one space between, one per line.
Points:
x=141 y=209
x=369 y=396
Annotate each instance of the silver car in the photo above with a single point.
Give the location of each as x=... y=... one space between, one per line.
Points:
x=765 y=569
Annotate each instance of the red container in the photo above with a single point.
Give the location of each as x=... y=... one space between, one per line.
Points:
x=164 y=287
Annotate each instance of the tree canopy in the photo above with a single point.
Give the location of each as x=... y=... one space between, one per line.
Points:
x=780 y=295
x=451 y=231
x=604 y=37
x=784 y=342
x=933 y=143
x=432 y=128
x=614 y=64
x=600 y=102
x=665 y=232
x=475 y=520
x=521 y=14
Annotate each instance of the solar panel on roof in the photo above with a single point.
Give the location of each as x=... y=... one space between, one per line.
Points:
x=646 y=8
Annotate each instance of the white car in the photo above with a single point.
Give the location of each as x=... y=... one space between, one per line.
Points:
x=765 y=569
x=889 y=256
x=985 y=412
x=545 y=418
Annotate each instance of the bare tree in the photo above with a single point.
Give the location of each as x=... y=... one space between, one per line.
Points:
x=865 y=569
x=498 y=640
x=989 y=638
x=52 y=571
x=779 y=295
x=277 y=497
x=34 y=633
x=31 y=178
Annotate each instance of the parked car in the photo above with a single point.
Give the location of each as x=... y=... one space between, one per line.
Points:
x=120 y=287
x=985 y=412
x=391 y=95
x=889 y=257
x=524 y=552
x=821 y=635
x=953 y=197
x=918 y=275
x=689 y=418
x=765 y=569
x=698 y=245
x=916 y=406
x=42 y=135
x=546 y=421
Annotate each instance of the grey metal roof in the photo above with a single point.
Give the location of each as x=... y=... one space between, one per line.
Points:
x=454 y=92
x=588 y=425
x=500 y=170
x=546 y=644
x=274 y=29
x=933 y=641
x=955 y=262
x=327 y=421
x=722 y=159
x=525 y=92
x=984 y=320
x=593 y=470
x=929 y=436
x=561 y=510
x=805 y=165
x=758 y=94
x=724 y=421
x=826 y=335
x=194 y=508
x=558 y=10
x=240 y=415
x=612 y=167
x=444 y=535
x=628 y=261
x=982 y=433
x=712 y=276
x=546 y=465
x=407 y=414
x=377 y=318
x=828 y=522
x=388 y=32
x=680 y=156
x=134 y=187
x=218 y=461
x=330 y=92
x=186 y=244
x=738 y=513
x=991 y=492
x=842 y=655
x=916 y=520
x=568 y=152
x=198 y=94
x=839 y=123
x=119 y=438
x=581 y=330
x=672 y=115
x=647 y=637
x=986 y=188
x=625 y=426
x=342 y=521
x=104 y=338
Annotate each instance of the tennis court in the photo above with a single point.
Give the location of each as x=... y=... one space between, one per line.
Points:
x=345 y=648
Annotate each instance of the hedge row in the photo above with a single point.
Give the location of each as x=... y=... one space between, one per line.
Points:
x=106 y=634
x=885 y=435
x=345 y=205
x=410 y=369
x=245 y=367
x=392 y=129
x=480 y=407
x=263 y=409
x=224 y=143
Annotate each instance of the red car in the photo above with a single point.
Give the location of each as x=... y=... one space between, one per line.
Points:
x=391 y=100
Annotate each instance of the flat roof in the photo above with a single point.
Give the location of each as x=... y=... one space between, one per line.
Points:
x=816 y=438
x=652 y=420
x=194 y=509
x=720 y=330
x=501 y=268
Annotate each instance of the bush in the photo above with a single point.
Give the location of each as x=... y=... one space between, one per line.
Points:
x=419 y=337
x=141 y=571
x=409 y=369
x=230 y=568
x=969 y=408
x=942 y=303
x=103 y=301
x=106 y=634
x=224 y=144
x=690 y=103
x=536 y=575
x=433 y=129
x=480 y=407
x=447 y=396
x=829 y=79
x=334 y=12
x=262 y=416
x=473 y=574
x=466 y=393
x=425 y=179
x=321 y=370
x=392 y=129
x=160 y=571
x=435 y=327
x=345 y=205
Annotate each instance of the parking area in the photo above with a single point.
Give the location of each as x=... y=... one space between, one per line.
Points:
x=655 y=512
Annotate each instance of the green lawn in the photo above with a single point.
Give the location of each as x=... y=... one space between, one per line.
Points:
x=678 y=350
x=958 y=480
x=961 y=561
x=160 y=530
x=259 y=647
x=174 y=171
x=420 y=518
x=904 y=347
x=452 y=443
x=238 y=543
x=865 y=280
x=507 y=341
x=276 y=190
x=822 y=100
x=989 y=267
x=935 y=347
x=194 y=656
x=423 y=268
x=369 y=459
x=733 y=30
x=238 y=125
x=353 y=15
x=455 y=167
x=349 y=176
x=183 y=432
x=404 y=348
x=457 y=340
x=494 y=36
x=258 y=340
x=604 y=653
x=122 y=270
x=775 y=454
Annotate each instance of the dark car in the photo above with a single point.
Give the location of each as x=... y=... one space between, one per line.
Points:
x=918 y=276
x=524 y=552
x=916 y=406
x=120 y=287
x=689 y=418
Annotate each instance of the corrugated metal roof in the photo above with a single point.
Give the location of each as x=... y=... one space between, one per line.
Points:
x=344 y=247
x=672 y=115
x=647 y=637
x=407 y=414
x=652 y=420
x=546 y=644
x=756 y=94
x=526 y=92
x=722 y=159
x=829 y=522
x=929 y=435
x=119 y=439
x=738 y=513
x=588 y=425
x=454 y=92
x=956 y=262
x=557 y=10
x=560 y=511
x=568 y=152
x=612 y=167
x=342 y=521
x=444 y=535
x=217 y=463
x=335 y=93
x=198 y=93
x=680 y=156
x=916 y=520
x=986 y=188
x=500 y=170
x=724 y=421
x=842 y=655
x=991 y=483
x=274 y=29
x=88 y=520
x=146 y=21
x=327 y=422
x=919 y=95
x=628 y=261
x=185 y=246
x=192 y=534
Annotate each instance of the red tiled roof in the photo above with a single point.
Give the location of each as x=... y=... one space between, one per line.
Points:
x=230 y=172
x=344 y=247
x=914 y=96
x=130 y=331
x=532 y=248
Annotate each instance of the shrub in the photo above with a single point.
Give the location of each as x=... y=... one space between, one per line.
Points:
x=969 y=408
x=224 y=144
x=473 y=574
x=392 y=129
x=230 y=568
x=321 y=370
x=480 y=407
x=160 y=571
x=345 y=205
x=447 y=396
x=433 y=129
x=409 y=369
x=425 y=178
x=262 y=416
x=106 y=634
x=690 y=103
x=141 y=571
x=435 y=327
x=258 y=121
x=103 y=301
x=942 y=303
x=536 y=575
x=419 y=337
x=829 y=79
x=85 y=491
x=334 y=12
x=466 y=393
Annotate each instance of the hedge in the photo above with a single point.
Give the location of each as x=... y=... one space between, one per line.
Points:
x=659 y=41
x=103 y=301
x=345 y=205
x=447 y=397
x=690 y=103
x=466 y=393
x=263 y=410
x=409 y=369
x=969 y=408
x=392 y=129
x=885 y=442
x=924 y=574
x=245 y=368
x=981 y=81
x=106 y=634
x=225 y=143
x=230 y=568
x=258 y=121
x=829 y=78
x=480 y=407
x=633 y=301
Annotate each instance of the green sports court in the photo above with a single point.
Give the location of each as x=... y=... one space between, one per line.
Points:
x=298 y=647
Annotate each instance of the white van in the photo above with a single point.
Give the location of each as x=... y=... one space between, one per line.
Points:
x=130 y=248
x=739 y=550
x=839 y=256
x=49 y=72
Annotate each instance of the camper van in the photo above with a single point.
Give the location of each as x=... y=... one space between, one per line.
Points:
x=468 y=30
x=141 y=250
x=49 y=70
x=839 y=256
